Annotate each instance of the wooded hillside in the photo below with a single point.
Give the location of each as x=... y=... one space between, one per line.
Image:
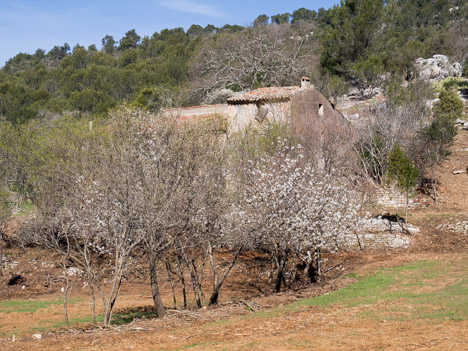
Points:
x=355 y=42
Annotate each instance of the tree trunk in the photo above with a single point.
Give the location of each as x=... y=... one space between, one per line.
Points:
x=217 y=284
x=171 y=280
x=115 y=289
x=93 y=302
x=310 y=270
x=280 y=275
x=180 y=269
x=318 y=264
x=279 y=279
x=406 y=209
x=114 y=293
x=160 y=310
x=195 y=284
x=65 y=293
x=90 y=276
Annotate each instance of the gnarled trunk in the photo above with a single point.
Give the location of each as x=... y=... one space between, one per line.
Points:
x=217 y=284
x=160 y=309
x=282 y=261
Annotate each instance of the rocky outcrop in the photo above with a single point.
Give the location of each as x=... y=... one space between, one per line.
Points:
x=462 y=123
x=220 y=96
x=379 y=233
x=436 y=68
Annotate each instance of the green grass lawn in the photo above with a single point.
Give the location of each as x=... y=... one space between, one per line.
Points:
x=29 y=306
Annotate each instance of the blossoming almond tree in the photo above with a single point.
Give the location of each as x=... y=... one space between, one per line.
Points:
x=293 y=209
x=104 y=209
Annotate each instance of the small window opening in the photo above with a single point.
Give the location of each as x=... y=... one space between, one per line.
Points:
x=261 y=114
x=320 y=111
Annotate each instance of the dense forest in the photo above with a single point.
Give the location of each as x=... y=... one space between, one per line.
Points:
x=353 y=43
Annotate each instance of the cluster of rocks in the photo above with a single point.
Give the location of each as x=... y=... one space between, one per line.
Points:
x=433 y=69
x=356 y=94
x=73 y=271
x=462 y=123
x=379 y=233
x=373 y=241
x=437 y=67
x=390 y=196
x=6 y=263
x=382 y=224
x=456 y=227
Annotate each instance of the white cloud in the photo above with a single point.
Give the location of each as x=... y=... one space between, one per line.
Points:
x=192 y=7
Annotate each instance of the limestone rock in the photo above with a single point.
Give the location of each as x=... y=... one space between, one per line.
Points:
x=462 y=123
x=457 y=227
x=220 y=96
x=73 y=271
x=437 y=67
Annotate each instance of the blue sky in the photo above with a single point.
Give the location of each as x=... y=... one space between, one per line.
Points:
x=26 y=25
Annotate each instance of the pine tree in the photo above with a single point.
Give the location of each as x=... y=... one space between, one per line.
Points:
x=402 y=171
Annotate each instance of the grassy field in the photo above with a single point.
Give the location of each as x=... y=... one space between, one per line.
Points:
x=381 y=306
x=47 y=315
x=422 y=295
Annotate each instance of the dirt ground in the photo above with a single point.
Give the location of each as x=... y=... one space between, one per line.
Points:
x=249 y=316
x=273 y=327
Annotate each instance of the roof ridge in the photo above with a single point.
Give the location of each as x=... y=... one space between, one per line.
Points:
x=265 y=93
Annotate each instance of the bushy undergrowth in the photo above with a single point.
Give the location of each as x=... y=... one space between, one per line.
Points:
x=450 y=83
x=423 y=135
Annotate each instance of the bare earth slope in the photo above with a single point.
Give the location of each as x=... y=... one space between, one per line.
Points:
x=454 y=187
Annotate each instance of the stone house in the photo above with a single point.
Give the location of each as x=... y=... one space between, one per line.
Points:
x=274 y=104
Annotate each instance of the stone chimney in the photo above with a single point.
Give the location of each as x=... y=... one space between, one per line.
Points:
x=305 y=83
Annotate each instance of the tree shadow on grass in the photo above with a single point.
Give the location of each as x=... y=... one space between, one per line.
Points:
x=128 y=315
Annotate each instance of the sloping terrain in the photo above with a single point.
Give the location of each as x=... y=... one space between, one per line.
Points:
x=454 y=187
x=395 y=300
x=418 y=305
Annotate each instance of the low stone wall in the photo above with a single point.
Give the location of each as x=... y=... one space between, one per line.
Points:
x=455 y=226
x=197 y=111
x=391 y=197
x=379 y=233
x=376 y=241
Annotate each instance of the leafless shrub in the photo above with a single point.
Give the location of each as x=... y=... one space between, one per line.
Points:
x=186 y=195
x=457 y=40
x=257 y=56
x=328 y=142
x=385 y=126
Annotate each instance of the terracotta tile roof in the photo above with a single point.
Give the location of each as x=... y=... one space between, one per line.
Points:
x=264 y=94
